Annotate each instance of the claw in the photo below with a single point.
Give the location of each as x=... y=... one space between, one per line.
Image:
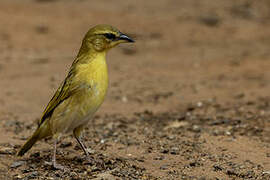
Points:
x=58 y=166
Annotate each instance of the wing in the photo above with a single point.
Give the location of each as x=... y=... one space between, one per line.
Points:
x=67 y=88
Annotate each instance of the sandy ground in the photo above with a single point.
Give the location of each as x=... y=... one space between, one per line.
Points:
x=189 y=100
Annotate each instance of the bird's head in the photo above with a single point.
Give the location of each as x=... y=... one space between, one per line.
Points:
x=104 y=37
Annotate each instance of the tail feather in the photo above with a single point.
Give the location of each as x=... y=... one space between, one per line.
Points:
x=41 y=132
x=30 y=142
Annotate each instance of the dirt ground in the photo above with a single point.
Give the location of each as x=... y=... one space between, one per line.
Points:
x=189 y=100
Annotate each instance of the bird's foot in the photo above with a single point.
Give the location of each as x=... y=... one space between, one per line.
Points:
x=89 y=160
x=55 y=165
x=58 y=167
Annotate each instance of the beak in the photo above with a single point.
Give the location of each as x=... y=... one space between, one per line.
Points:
x=125 y=38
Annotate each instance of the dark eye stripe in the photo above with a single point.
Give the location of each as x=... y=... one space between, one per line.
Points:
x=109 y=36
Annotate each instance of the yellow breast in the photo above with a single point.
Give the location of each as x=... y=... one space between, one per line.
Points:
x=95 y=75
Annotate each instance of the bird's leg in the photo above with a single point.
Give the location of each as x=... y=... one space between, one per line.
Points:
x=77 y=133
x=55 y=165
x=82 y=146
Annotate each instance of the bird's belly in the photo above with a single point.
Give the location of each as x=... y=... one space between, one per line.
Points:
x=90 y=106
x=78 y=110
x=87 y=104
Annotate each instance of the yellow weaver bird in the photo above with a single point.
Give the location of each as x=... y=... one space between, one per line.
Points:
x=81 y=93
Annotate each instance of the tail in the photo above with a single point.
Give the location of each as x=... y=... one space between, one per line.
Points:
x=41 y=132
x=30 y=142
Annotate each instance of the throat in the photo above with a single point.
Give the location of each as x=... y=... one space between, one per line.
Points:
x=86 y=57
x=94 y=72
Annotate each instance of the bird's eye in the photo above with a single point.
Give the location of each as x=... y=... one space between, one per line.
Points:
x=109 y=36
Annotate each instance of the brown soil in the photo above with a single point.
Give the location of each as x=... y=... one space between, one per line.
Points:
x=189 y=100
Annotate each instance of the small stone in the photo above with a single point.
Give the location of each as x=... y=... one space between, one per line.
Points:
x=231 y=172
x=210 y=20
x=159 y=158
x=35 y=155
x=196 y=128
x=216 y=132
x=124 y=99
x=217 y=168
x=171 y=137
x=73 y=174
x=42 y=29
x=33 y=175
x=26 y=170
x=7 y=150
x=17 y=164
x=18 y=176
x=174 y=150
x=199 y=104
x=266 y=172
x=193 y=164
x=164 y=151
x=164 y=167
x=239 y=95
x=176 y=124
x=65 y=144
x=242 y=167
x=91 y=151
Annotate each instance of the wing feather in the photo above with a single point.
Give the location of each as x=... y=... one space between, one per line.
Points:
x=67 y=88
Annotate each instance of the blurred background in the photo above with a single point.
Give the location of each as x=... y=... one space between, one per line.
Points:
x=186 y=52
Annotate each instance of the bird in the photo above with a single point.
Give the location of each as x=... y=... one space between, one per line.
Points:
x=81 y=93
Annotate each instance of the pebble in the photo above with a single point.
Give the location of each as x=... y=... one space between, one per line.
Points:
x=6 y=150
x=17 y=164
x=65 y=144
x=171 y=137
x=165 y=151
x=159 y=158
x=35 y=155
x=217 y=167
x=217 y=132
x=199 y=104
x=164 y=167
x=193 y=164
x=231 y=172
x=196 y=128
x=174 y=150
x=124 y=99
x=73 y=174
x=210 y=20
x=91 y=151
x=33 y=174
